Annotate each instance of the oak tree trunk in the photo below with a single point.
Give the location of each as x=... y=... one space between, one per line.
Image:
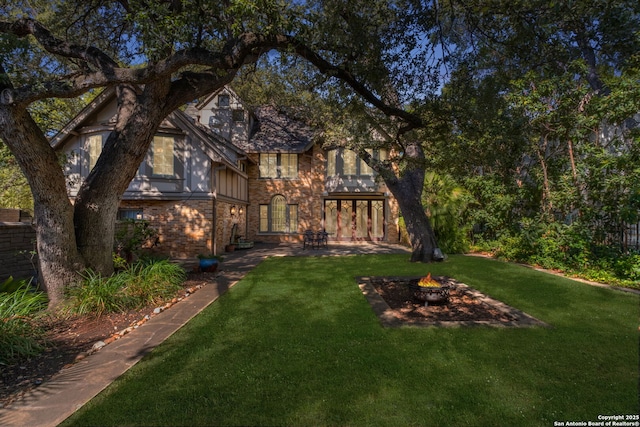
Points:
x=140 y=114
x=407 y=189
x=138 y=118
x=58 y=258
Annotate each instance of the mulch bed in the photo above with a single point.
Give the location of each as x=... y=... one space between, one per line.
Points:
x=461 y=305
x=68 y=340
x=464 y=307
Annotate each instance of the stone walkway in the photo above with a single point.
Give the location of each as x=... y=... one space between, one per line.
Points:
x=54 y=401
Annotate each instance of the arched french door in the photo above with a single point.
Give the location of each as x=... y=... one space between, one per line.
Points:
x=355 y=219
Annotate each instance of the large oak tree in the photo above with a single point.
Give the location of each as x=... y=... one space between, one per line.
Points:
x=156 y=56
x=384 y=60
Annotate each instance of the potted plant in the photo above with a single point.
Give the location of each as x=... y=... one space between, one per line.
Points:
x=209 y=262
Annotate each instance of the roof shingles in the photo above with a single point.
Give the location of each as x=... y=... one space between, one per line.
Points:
x=275 y=132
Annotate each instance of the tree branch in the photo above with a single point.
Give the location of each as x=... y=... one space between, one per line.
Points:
x=238 y=51
x=413 y=121
x=90 y=54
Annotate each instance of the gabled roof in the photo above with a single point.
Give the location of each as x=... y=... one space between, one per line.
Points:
x=275 y=131
x=215 y=147
x=206 y=100
x=82 y=117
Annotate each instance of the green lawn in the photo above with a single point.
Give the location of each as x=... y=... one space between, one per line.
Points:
x=296 y=344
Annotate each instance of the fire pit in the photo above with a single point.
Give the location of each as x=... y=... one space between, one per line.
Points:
x=394 y=300
x=429 y=290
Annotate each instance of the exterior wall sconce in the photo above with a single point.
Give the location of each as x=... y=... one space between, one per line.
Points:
x=240 y=211
x=233 y=210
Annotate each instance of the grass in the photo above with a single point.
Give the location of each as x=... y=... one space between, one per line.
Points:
x=296 y=343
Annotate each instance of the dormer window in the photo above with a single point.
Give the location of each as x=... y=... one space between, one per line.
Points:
x=223 y=100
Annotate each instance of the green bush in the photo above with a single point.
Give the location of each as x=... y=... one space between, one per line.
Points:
x=132 y=236
x=153 y=281
x=140 y=284
x=628 y=266
x=569 y=248
x=19 y=332
x=97 y=295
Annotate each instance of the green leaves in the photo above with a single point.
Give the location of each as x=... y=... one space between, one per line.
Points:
x=138 y=285
x=18 y=330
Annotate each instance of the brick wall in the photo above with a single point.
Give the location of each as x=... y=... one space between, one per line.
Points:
x=14 y=215
x=307 y=192
x=225 y=222
x=17 y=241
x=184 y=227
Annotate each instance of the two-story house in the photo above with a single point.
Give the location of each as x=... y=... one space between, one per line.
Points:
x=217 y=164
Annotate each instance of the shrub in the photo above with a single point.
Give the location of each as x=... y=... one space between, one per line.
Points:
x=132 y=236
x=628 y=266
x=140 y=284
x=570 y=248
x=96 y=295
x=153 y=281
x=19 y=332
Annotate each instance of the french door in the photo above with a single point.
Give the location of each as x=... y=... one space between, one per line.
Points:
x=354 y=219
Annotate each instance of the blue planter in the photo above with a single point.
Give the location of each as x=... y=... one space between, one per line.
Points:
x=208 y=264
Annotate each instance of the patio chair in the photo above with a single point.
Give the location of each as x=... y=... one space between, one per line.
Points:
x=321 y=238
x=308 y=239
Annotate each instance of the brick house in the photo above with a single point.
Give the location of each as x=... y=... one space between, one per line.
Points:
x=217 y=165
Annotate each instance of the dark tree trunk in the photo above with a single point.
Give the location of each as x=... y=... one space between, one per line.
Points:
x=407 y=189
x=138 y=118
x=58 y=258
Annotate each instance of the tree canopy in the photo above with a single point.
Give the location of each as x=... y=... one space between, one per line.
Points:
x=515 y=82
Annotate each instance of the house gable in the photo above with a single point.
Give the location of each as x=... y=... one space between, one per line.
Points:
x=224 y=114
x=197 y=155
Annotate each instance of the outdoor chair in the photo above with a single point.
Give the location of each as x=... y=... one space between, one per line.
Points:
x=314 y=239
x=321 y=238
x=308 y=239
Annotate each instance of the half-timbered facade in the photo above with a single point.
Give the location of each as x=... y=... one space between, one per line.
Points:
x=218 y=164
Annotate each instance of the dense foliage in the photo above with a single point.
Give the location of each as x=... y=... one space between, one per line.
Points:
x=513 y=100
x=141 y=283
x=20 y=305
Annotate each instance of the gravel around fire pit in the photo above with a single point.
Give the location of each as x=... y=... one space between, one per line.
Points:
x=393 y=300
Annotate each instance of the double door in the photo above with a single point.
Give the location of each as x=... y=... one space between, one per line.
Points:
x=354 y=219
